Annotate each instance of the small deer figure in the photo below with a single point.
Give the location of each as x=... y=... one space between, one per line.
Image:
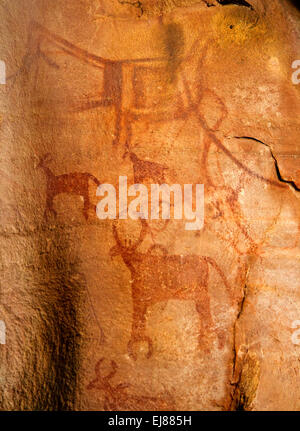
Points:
x=76 y=183
x=161 y=277
x=143 y=169
x=117 y=397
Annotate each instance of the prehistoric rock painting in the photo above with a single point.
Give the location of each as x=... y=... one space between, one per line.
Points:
x=222 y=197
x=124 y=88
x=75 y=183
x=234 y=81
x=123 y=85
x=144 y=169
x=177 y=277
x=225 y=219
x=116 y=397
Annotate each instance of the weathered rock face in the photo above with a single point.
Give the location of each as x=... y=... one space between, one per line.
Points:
x=144 y=314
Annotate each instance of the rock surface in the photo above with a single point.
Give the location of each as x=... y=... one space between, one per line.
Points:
x=144 y=314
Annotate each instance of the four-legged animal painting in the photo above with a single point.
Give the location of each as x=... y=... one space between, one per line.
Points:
x=76 y=183
x=175 y=277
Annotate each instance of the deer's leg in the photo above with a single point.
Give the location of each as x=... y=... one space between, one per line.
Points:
x=49 y=206
x=139 y=328
x=86 y=203
x=161 y=176
x=138 y=177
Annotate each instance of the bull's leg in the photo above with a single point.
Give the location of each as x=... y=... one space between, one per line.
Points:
x=108 y=406
x=87 y=203
x=139 y=328
x=206 y=322
x=118 y=126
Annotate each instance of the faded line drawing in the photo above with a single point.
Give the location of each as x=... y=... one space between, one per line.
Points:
x=114 y=72
x=211 y=137
x=224 y=208
x=222 y=197
x=117 y=397
x=176 y=277
x=75 y=183
x=120 y=88
x=102 y=337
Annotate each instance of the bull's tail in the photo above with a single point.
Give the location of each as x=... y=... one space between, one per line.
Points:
x=213 y=263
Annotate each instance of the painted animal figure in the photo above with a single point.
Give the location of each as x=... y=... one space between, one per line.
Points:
x=144 y=169
x=76 y=183
x=118 y=399
x=161 y=277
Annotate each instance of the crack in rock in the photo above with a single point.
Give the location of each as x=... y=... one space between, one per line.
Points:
x=235 y=2
x=290 y=183
x=247 y=384
x=167 y=5
x=241 y=309
x=245 y=368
